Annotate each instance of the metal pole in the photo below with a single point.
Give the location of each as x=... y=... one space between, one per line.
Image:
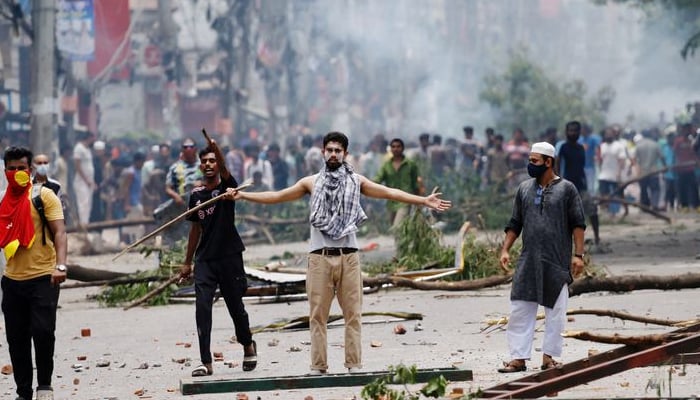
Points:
x=43 y=90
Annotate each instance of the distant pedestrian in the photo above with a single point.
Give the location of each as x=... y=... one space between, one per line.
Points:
x=649 y=158
x=84 y=181
x=571 y=161
x=687 y=159
x=42 y=168
x=611 y=164
x=402 y=173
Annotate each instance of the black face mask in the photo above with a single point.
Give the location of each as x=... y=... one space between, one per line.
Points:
x=536 y=171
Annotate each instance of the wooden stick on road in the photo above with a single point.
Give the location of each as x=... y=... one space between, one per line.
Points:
x=153 y=293
x=242 y=186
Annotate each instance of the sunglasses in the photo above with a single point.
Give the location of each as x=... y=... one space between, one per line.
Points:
x=187 y=146
x=540 y=199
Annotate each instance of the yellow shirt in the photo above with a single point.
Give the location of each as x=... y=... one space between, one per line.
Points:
x=39 y=259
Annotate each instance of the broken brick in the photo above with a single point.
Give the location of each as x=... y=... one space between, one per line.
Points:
x=399 y=329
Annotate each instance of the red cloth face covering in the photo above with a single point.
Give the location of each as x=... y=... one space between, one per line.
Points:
x=16 y=226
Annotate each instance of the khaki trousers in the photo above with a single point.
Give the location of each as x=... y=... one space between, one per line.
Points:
x=326 y=277
x=396 y=217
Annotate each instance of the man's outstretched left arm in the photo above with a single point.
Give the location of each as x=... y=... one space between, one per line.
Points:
x=372 y=189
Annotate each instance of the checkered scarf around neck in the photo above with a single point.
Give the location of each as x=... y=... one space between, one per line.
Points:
x=335 y=202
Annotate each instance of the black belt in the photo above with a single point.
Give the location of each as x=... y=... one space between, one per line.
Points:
x=334 y=251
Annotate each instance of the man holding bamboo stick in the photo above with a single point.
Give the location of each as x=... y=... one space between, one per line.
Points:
x=219 y=259
x=334 y=264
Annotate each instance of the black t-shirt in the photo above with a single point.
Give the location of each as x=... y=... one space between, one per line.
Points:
x=220 y=237
x=573 y=159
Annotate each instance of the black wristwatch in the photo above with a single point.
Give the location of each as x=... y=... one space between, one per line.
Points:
x=579 y=255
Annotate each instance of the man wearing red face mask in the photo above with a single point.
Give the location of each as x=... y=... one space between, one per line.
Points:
x=36 y=260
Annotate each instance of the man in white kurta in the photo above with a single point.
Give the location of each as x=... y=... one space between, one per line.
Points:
x=84 y=180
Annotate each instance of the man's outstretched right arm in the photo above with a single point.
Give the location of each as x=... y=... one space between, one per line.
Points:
x=294 y=192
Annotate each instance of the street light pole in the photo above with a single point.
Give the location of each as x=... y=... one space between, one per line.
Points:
x=43 y=72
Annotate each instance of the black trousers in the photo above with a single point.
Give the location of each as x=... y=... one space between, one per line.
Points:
x=30 y=314
x=229 y=276
x=648 y=186
x=687 y=189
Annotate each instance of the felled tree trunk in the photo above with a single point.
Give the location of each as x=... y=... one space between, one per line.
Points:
x=438 y=285
x=628 y=283
x=642 y=207
x=642 y=340
x=630 y=317
x=95 y=226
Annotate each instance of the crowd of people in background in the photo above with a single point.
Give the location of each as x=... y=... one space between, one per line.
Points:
x=127 y=179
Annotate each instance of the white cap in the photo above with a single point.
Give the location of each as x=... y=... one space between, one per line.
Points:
x=543 y=148
x=155 y=149
x=99 y=145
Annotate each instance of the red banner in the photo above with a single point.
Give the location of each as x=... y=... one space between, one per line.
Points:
x=112 y=18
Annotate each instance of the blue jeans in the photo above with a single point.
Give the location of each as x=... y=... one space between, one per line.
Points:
x=608 y=188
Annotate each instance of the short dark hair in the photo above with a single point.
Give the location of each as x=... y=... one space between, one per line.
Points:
x=468 y=129
x=17 y=153
x=424 y=136
x=139 y=156
x=399 y=141
x=205 y=151
x=574 y=125
x=337 y=137
x=85 y=134
x=273 y=147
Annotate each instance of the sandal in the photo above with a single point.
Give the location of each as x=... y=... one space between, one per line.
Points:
x=251 y=361
x=202 y=370
x=551 y=364
x=512 y=366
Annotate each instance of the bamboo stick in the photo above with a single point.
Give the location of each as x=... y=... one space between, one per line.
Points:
x=244 y=185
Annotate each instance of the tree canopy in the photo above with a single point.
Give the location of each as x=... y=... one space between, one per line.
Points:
x=682 y=15
x=525 y=96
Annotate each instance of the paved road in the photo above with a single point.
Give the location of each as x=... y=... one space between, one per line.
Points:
x=451 y=334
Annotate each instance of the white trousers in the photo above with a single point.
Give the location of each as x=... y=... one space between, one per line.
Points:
x=83 y=195
x=521 y=326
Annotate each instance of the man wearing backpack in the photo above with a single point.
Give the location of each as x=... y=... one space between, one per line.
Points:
x=36 y=257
